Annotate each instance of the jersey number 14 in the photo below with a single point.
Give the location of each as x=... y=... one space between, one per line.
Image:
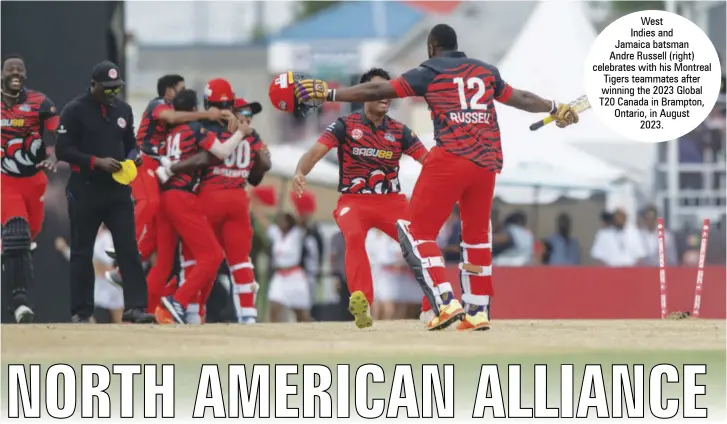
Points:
x=472 y=83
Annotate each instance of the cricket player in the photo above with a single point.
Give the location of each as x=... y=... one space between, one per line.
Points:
x=26 y=116
x=461 y=168
x=370 y=144
x=181 y=207
x=224 y=199
x=158 y=117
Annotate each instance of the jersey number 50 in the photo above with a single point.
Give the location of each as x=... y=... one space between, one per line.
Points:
x=240 y=158
x=472 y=83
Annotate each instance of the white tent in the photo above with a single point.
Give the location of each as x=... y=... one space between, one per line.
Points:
x=285 y=160
x=557 y=73
x=536 y=172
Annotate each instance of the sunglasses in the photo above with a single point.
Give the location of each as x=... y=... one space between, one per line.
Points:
x=246 y=113
x=110 y=91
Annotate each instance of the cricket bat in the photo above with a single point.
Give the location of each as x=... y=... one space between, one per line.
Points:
x=579 y=105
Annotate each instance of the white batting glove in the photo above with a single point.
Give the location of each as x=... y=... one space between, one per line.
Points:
x=164 y=171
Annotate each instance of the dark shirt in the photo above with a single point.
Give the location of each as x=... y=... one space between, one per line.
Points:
x=461 y=94
x=89 y=130
x=368 y=156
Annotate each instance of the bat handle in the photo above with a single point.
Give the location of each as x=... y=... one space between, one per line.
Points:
x=540 y=124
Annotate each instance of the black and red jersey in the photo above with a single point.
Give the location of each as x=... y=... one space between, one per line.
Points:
x=460 y=92
x=232 y=172
x=23 y=125
x=152 y=132
x=368 y=156
x=183 y=142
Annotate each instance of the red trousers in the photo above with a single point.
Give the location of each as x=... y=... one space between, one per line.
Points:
x=355 y=215
x=447 y=179
x=145 y=190
x=228 y=212
x=181 y=217
x=23 y=197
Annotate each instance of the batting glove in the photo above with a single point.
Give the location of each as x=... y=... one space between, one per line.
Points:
x=164 y=171
x=564 y=115
x=309 y=89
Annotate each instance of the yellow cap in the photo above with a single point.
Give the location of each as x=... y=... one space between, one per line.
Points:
x=127 y=173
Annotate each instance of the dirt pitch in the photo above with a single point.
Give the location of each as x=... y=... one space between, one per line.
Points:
x=393 y=338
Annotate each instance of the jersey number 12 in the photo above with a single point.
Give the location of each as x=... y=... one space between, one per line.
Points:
x=472 y=83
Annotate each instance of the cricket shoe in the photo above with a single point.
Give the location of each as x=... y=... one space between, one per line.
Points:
x=476 y=319
x=77 y=319
x=114 y=277
x=426 y=316
x=175 y=309
x=24 y=315
x=359 y=307
x=111 y=253
x=162 y=316
x=449 y=312
x=137 y=316
x=247 y=320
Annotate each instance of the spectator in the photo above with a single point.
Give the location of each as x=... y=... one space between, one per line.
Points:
x=650 y=240
x=716 y=245
x=338 y=268
x=617 y=245
x=560 y=248
x=449 y=237
x=312 y=243
x=606 y=219
x=688 y=240
x=107 y=296
x=520 y=239
x=501 y=240
x=396 y=292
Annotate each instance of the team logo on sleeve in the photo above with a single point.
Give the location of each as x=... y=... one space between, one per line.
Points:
x=357 y=134
x=121 y=122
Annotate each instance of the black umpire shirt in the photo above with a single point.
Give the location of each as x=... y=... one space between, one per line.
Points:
x=89 y=130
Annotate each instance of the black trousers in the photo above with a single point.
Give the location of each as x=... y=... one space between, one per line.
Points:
x=91 y=204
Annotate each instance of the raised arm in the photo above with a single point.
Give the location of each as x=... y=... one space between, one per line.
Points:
x=410 y=84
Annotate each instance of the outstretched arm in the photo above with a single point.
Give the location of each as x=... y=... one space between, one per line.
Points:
x=366 y=92
x=520 y=99
x=529 y=102
x=410 y=84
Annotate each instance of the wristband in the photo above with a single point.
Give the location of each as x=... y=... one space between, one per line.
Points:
x=553 y=107
x=331 y=96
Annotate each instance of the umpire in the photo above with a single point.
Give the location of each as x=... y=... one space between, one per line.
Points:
x=95 y=135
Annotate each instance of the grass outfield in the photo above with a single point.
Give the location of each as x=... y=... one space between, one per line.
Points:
x=387 y=343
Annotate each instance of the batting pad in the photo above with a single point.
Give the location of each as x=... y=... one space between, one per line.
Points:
x=419 y=263
x=476 y=273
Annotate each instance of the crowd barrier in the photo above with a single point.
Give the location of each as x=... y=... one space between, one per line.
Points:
x=600 y=293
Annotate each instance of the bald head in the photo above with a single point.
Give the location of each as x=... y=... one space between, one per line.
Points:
x=441 y=38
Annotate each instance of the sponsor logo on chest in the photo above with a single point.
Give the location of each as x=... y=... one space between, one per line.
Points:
x=16 y=123
x=372 y=153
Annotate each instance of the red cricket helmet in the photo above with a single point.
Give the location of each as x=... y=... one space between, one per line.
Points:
x=282 y=94
x=219 y=92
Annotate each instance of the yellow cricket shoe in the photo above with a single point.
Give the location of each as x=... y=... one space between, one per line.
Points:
x=476 y=319
x=359 y=307
x=448 y=314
